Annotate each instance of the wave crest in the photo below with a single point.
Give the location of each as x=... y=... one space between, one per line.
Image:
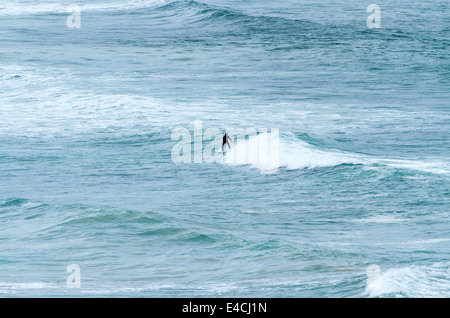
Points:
x=294 y=154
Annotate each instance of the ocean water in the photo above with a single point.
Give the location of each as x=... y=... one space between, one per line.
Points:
x=357 y=204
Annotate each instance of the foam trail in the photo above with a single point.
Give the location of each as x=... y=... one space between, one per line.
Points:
x=287 y=152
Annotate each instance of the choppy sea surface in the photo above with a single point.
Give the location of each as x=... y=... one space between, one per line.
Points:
x=359 y=202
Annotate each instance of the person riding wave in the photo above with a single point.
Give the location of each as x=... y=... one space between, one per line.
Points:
x=226 y=140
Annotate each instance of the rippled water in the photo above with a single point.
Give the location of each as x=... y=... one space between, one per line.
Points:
x=87 y=175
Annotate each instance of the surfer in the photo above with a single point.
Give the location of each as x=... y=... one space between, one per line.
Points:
x=225 y=140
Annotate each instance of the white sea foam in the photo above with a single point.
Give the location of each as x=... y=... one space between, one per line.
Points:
x=435 y=166
x=426 y=242
x=201 y=288
x=30 y=108
x=381 y=218
x=39 y=102
x=9 y=8
x=291 y=154
x=412 y=281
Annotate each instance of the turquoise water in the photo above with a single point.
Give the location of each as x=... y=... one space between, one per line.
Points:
x=87 y=177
